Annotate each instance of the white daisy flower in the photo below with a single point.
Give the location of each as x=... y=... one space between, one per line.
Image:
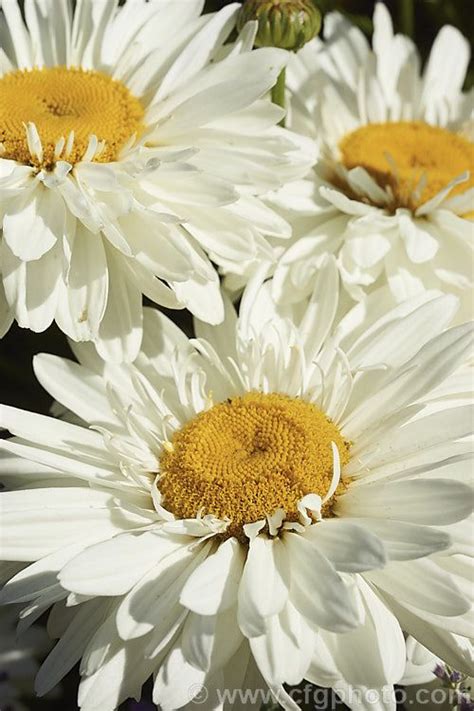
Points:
x=274 y=500
x=392 y=194
x=116 y=125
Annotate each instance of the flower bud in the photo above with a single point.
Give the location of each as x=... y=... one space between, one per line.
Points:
x=287 y=24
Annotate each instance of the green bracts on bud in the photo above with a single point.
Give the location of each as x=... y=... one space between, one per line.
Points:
x=287 y=24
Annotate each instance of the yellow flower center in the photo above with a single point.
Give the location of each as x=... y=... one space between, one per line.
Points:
x=247 y=457
x=59 y=101
x=397 y=155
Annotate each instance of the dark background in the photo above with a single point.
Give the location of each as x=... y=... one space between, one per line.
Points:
x=18 y=385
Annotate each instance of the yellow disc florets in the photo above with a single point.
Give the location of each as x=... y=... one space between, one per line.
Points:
x=66 y=103
x=397 y=155
x=247 y=457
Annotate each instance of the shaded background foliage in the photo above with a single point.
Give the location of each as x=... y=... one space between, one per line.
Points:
x=421 y=19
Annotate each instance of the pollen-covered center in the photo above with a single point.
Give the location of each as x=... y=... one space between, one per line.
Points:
x=69 y=103
x=413 y=159
x=247 y=457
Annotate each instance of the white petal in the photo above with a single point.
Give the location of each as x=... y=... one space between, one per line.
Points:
x=420 y=244
x=152 y=287
x=70 y=647
x=407 y=541
x=284 y=652
x=264 y=585
x=213 y=587
x=82 y=302
x=113 y=567
x=36 y=223
x=120 y=332
x=120 y=677
x=374 y=653
x=222 y=336
x=75 y=387
x=432 y=502
x=175 y=681
x=256 y=72
x=41 y=521
x=343 y=203
x=350 y=547
x=317 y=591
x=321 y=310
x=33 y=580
x=63 y=465
x=199 y=51
x=209 y=641
x=409 y=330
x=427 y=369
x=32 y=287
x=365 y=251
x=422 y=584
x=202 y=297
x=191 y=187
x=40 y=429
x=447 y=64
x=22 y=44
x=454 y=649
x=153 y=604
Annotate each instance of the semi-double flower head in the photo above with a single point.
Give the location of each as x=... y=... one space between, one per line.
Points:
x=280 y=498
x=134 y=147
x=392 y=192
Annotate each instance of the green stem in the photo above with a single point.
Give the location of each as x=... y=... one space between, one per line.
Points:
x=407 y=17
x=278 y=93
